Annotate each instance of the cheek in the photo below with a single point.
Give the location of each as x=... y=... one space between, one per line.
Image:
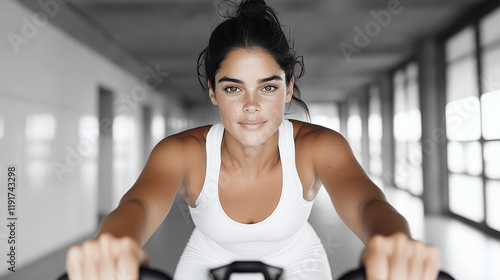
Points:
x=227 y=108
x=277 y=105
x=274 y=105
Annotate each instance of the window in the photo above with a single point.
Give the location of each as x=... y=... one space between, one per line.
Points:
x=326 y=115
x=408 y=130
x=463 y=128
x=493 y=207
x=463 y=117
x=354 y=128
x=472 y=114
x=466 y=196
x=490 y=115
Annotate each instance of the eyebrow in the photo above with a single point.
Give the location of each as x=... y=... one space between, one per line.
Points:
x=232 y=80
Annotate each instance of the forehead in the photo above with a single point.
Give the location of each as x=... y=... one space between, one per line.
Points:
x=247 y=61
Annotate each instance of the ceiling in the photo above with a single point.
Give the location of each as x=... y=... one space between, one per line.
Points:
x=168 y=35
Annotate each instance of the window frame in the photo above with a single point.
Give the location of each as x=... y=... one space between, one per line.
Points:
x=403 y=67
x=471 y=18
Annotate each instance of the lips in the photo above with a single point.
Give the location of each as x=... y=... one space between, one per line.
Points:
x=252 y=124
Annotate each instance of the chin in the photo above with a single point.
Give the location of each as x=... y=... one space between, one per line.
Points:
x=253 y=133
x=252 y=139
x=255 y=138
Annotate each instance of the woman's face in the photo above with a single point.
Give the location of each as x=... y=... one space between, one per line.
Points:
x=251 y=92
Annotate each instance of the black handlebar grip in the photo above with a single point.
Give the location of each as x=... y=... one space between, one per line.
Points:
x=359 y=274
x=224 y=272
x=145 y=273
x=356 y=274
x=152 y=274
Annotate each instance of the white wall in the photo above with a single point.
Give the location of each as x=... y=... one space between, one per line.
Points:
x=49 y=130
x=204 y=114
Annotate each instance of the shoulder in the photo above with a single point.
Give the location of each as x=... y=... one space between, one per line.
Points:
x=182 y=145
x=314 y=134
x=190 y=137
x=320 y=142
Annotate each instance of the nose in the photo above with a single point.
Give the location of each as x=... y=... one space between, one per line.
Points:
x=251 y=104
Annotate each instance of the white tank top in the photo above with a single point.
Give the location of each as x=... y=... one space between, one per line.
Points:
x=265 y=237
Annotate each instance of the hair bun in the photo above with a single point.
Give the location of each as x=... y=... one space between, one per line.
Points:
x=252 y=8
x=252 y=24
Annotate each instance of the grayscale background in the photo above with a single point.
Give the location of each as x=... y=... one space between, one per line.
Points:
x=88 y=87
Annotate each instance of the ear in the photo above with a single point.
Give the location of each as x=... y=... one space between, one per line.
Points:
x=289 y=90
x=211 y=93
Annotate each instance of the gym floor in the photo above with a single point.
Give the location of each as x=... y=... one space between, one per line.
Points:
x=466 y=253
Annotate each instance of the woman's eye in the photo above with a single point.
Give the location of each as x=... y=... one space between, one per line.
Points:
x=231 y=89
x=270 y=88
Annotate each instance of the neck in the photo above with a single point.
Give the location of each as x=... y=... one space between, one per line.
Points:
x=253 y=160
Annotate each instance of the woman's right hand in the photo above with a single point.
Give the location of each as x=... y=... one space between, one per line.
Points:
x=106 y=257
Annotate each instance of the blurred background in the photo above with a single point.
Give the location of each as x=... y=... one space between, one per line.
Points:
x=88 y=87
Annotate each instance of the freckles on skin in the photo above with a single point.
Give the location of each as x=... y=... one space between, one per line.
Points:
x=250 y=86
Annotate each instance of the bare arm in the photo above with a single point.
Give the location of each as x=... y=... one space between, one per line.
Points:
x=390 y=251
x=358 y=201
x=116 y=251
x=143 y=208
x=380 y=218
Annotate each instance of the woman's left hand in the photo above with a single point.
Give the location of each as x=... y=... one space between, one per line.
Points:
x=397 y=257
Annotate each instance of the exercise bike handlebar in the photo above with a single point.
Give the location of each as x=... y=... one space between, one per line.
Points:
x=145 y=273
x=224 y=272
x=360 y=274
x=269 y=272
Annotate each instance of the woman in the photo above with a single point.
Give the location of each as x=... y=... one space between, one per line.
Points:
x=250 y=180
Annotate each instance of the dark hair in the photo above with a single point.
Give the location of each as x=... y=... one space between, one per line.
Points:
x=254 y=24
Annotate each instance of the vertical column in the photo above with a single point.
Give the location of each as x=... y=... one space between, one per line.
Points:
x=432 y=100
x=147 y=119
x=365 y=137
x=105 y=187
x=387 y=114
x=343 y=116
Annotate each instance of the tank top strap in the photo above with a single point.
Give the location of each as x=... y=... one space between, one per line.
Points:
x=264 y=237
x=287 y=154
x=213 y=146
x=286 y=143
